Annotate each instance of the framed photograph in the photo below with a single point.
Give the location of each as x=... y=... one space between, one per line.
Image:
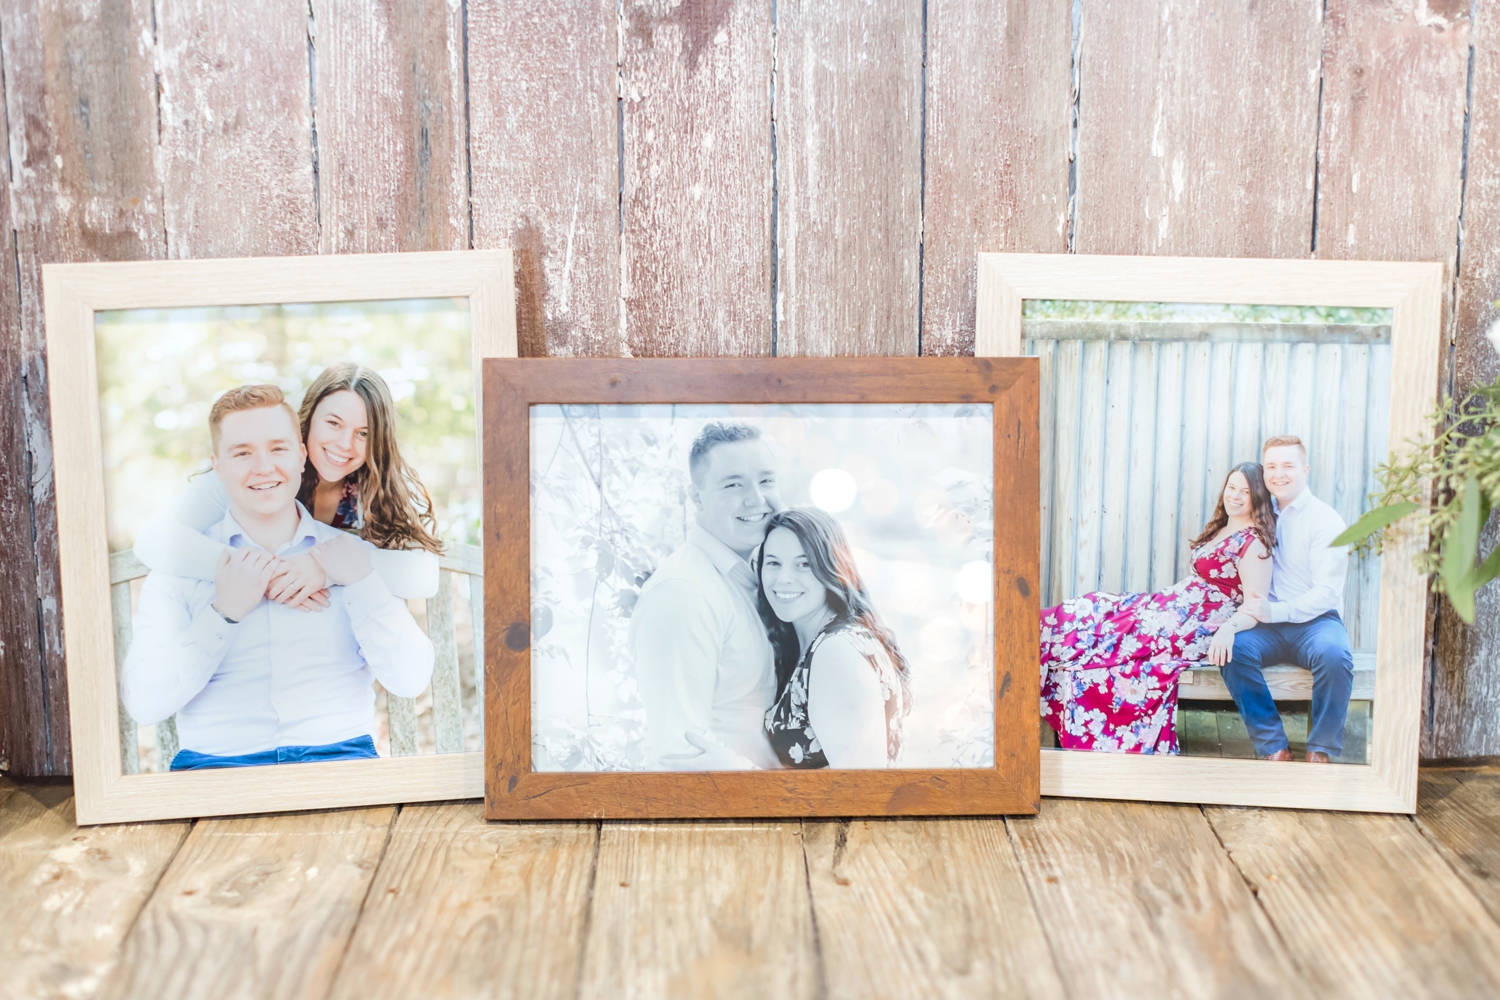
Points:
x=1208 y=428
x=269 y=511
x=770 y=587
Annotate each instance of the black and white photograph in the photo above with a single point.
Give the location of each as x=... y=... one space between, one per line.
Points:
x=762 y=586
x=283 y=484
x=1199 y=461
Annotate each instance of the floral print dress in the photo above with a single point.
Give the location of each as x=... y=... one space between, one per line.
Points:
x=1110 y=662
x=787 y=724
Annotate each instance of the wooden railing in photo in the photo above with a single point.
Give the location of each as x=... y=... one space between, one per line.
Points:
x=1142 y=421
x=401 y=713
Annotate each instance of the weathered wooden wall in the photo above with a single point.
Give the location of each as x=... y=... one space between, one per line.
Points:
x=713 y=177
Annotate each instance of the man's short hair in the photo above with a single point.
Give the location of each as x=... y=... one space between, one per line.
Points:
x=247 y=397
x=714 y=434
x=1283 y=441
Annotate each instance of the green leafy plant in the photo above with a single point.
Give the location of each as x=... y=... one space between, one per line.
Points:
x=1450 y=484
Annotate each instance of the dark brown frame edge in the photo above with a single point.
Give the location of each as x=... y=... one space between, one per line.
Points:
x=514 y=791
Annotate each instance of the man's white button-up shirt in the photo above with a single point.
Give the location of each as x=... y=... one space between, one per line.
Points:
x=1307 y=575
x=278 y=677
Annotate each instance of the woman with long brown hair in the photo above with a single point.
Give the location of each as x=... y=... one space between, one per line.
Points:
x=354 y=479
x=1110 y=662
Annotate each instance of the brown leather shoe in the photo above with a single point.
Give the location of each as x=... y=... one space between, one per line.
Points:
x=1317 y=757
x=1283 y=754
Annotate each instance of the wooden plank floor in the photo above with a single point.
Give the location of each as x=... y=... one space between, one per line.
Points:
x=1089 y=899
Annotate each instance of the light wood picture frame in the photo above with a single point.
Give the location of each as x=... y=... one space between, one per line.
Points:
x=518 y=787
x=1413 y=293
x=74 y=293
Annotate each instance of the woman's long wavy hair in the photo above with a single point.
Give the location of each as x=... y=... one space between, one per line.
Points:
x=397 y=508
x=832 y=562
x=1262 y=512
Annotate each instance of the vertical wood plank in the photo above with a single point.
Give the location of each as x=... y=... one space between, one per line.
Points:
x=120 y=612
x=1140 y=467
x=1114 y=437
x=1197 y=127
x=1465 y=710
x=1249 y=360
x=1091 y=424
x=1377 y=432
x=1065 y=527
x=401 y=717
x=925 y=908
x=696 y=226
x=461 y=907
x=70 y=893
x=1273 y=395
x=544 y=156
x=1322 y=446
x=996 y=154
x=692 y=909
x=1302 y=391
x=447 y=692
x=1045 y=352
x=476 y=624
x=849 y=176
x=1196 y=417
x=1166 y=530
x=81 y=114
x=236 y=129
x=1364 y=903
x=390 y=119
x=254 y=907
x=1220 y=416
x=1139 y=895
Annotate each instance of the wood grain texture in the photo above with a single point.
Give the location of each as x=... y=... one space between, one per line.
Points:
x=474 y=909
x=1459 y=811
x=236 y=141
x=1135 y=896
x=1364 y=904
x=934 y=908
x=545 y=171
x=81 y=115
x=701 y=909
x=1466 y=716
x=696 y=226
x=514 y=790
x=849 y=176
x=1197 y=127
x=1391 y=148
x=390 y=118
x=70 y=894
x=257 y=907
x=996 y=149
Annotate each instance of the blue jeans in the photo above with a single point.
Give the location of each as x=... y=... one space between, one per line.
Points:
x=1322 y=646
x=359 y=748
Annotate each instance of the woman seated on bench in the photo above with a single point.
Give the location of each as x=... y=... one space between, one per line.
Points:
x=1110 y=662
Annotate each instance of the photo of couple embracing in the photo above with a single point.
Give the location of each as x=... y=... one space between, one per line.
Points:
x=1265 y=588
x=756 y=644
x=761 y=586
x=279 y=580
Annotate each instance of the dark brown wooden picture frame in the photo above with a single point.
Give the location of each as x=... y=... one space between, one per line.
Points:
x=514 y=791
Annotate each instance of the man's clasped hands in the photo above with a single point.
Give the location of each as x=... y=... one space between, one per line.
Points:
x=246 y=575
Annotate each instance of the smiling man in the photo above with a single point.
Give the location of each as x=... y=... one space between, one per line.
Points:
x=252 y=681
x=1301 y=620
x=704 y=665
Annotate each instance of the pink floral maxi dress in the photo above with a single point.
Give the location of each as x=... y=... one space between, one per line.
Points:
x=1110 y=662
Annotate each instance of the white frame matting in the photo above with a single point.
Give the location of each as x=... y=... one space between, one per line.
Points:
x=1413 y=291
x=73 y=294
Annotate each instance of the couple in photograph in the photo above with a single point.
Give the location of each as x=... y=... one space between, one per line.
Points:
x=278 y=584
x=755 y=642
x=1266 y=588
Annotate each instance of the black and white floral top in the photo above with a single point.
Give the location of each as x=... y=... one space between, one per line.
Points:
x=787 y=723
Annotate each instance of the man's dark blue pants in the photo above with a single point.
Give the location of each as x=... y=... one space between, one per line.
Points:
x=1322 y=646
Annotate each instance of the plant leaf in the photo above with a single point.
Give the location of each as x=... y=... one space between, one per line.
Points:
x=1375 y=520
x=1459 y=549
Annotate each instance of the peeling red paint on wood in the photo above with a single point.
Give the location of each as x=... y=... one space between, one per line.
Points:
x=996 y=157
x=696 y=231
x=545 y=166
x=1197 y=127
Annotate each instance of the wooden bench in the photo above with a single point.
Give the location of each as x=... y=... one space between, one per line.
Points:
x=401 y=713
x=1287 y=683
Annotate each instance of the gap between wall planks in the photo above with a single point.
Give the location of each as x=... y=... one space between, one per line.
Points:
x=303 y=128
